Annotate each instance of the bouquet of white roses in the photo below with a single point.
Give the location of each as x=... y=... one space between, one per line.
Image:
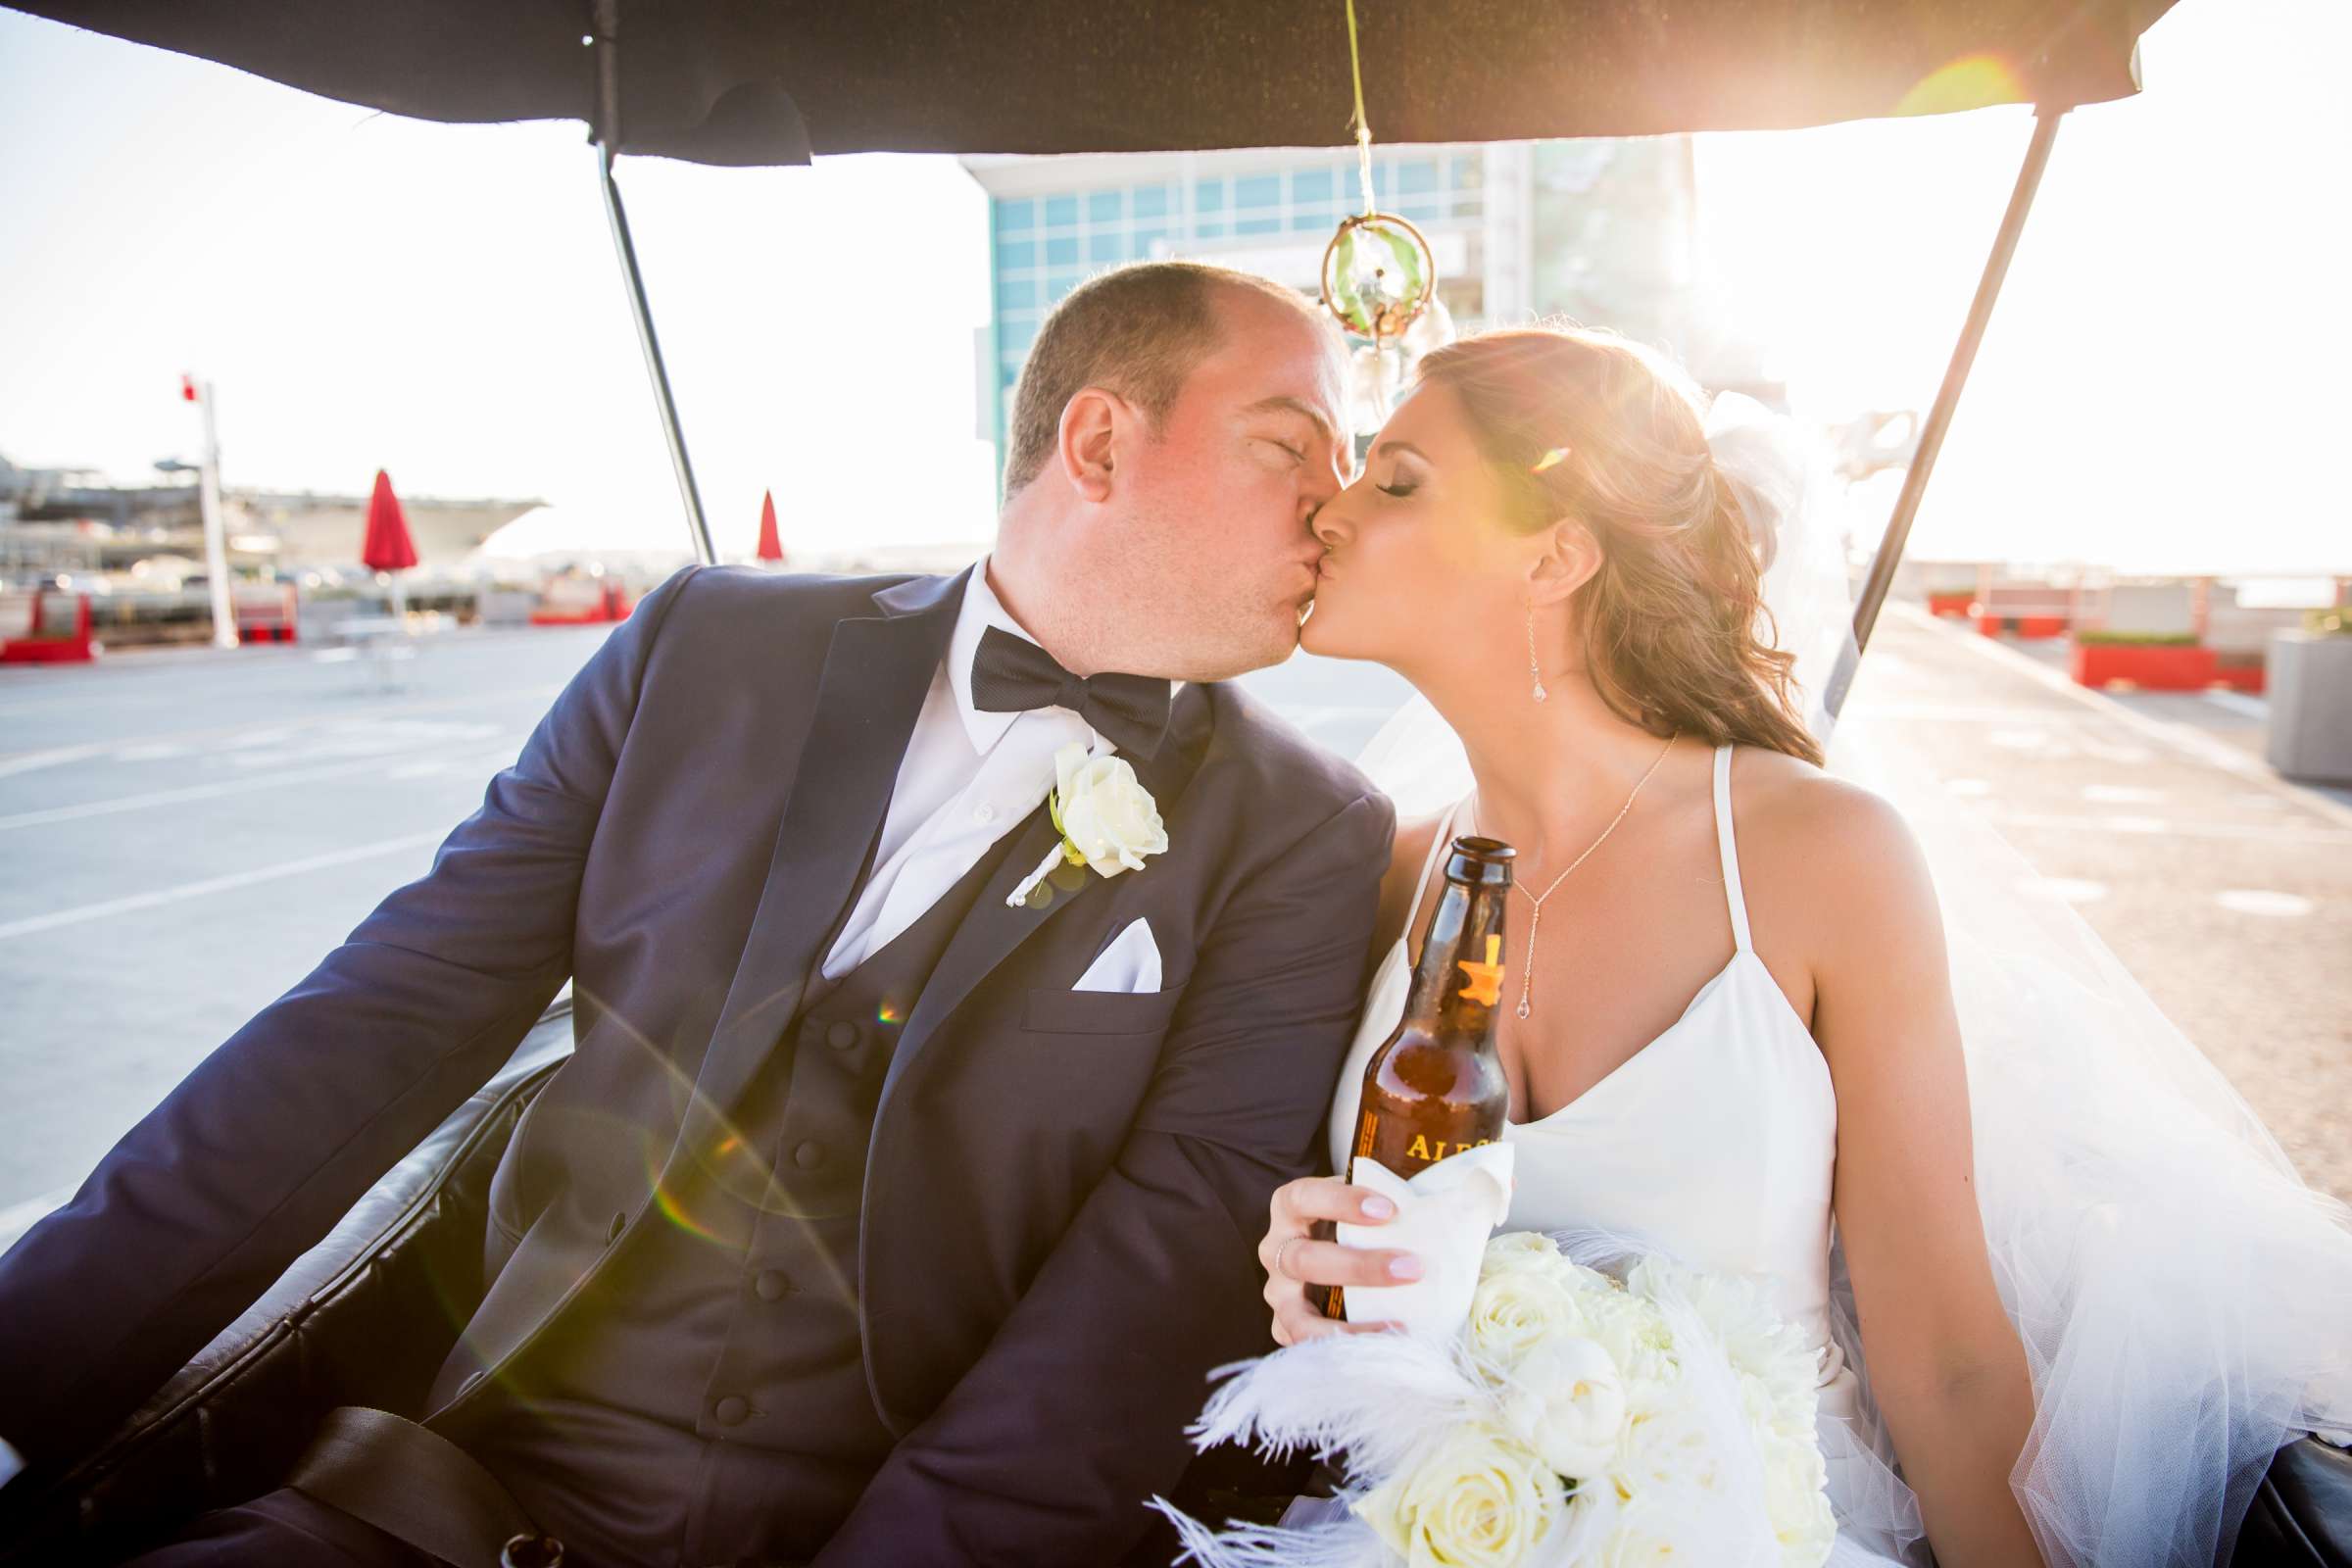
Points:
x=1579 y=1418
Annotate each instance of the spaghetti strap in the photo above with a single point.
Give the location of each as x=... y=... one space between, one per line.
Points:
x=1437 y=846
x=1729 y=849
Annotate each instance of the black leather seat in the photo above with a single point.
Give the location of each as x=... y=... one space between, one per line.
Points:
x=366 y=1316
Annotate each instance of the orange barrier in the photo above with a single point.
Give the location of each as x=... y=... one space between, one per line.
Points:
x=50 y=639
x=263 y=620
x=612 y=604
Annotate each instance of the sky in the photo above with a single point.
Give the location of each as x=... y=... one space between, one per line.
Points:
x=2162 y=387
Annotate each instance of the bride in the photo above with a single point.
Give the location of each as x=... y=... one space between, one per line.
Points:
x=1731 y=1026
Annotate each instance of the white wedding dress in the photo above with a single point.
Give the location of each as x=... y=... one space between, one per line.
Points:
x=1716 y=1142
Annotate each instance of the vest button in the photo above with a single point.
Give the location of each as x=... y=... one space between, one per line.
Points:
x=770 y=1284
x=731 y=1410
x=809 y=1155
x=842 y=1036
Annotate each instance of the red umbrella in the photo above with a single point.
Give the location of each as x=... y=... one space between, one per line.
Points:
x=388 y=546
x=388 y=549
x=771 y=548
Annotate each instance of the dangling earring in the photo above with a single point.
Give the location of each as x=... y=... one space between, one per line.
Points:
x=1535 y=670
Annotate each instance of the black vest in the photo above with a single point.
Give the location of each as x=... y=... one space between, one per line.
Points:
x=705 y=1400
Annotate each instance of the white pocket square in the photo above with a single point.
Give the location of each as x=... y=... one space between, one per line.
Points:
x=1130 y=963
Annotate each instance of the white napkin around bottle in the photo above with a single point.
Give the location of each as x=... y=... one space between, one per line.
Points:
x=1443 y=1217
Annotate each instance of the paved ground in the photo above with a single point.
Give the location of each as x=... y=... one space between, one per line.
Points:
x=2225 y=891
x=185 y=833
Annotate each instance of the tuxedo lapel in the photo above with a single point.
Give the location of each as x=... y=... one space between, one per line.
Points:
x=993 y=928
x=877 y=672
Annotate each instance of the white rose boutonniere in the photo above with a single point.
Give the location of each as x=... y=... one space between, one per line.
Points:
x=1109 y=820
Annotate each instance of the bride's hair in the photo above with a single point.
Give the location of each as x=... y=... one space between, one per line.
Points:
x=1583 y=423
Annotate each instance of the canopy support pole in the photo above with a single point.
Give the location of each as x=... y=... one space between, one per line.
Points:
x=606 y=134
x=1947 y=399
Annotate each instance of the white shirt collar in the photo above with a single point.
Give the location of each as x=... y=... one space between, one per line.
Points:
x=982 y=609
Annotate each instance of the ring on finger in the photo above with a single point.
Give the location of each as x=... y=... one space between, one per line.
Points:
x=1282 y=1251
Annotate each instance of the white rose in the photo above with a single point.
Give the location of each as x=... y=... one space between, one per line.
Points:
x=1644 y=1536
x=1516 y=1307
x=1567 y=1401
x=1796 y=1500
x=1475 y=1499
x=1521 y=1249
x=1106 y=812
x=1664 y=1449
x=1635 y=1335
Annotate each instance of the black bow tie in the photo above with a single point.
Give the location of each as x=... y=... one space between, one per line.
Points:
x=1012 y=674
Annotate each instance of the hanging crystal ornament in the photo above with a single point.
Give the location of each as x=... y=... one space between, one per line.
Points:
x=1379 y=274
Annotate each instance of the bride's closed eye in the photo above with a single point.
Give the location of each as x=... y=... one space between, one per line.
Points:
x=1400 y=488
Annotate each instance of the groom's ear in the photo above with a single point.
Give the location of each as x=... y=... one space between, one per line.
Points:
x=1091 y=426
x=1565 y=560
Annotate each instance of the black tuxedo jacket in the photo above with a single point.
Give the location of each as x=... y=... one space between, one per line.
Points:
x=1063 y=1190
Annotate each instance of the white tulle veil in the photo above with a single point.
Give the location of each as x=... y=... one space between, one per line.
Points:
x=2184 y=1299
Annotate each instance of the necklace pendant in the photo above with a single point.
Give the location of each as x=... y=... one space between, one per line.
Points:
x=1540 y=694
x=1523 y=1008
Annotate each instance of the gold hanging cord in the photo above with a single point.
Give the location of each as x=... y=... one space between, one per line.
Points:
x=1363 y=127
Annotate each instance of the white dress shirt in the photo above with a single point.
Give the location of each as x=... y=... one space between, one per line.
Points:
x=968 y=780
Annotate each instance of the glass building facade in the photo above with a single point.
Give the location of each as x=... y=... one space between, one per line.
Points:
x=1045 y=243
x=1600 y=230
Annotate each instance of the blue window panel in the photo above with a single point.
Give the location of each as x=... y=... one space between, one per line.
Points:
x=1418 y=177
x=1060 y=285
x=1308 y=185
x=1147 y=241
x=1209 y=230
x=1061 y=212
x=1257 y=225
x=1422 y=209
x=1152 y=201
x=1015 y=294
x=1208 y=196
x=1308 y=219
x=1106 y=207
x=1468 y=203
x=1062 y=252
x=1466 y=172
x=1261 y=190
x=1015 y=217
x=1015 y=254
x=1014 y=336
x=1105 y=249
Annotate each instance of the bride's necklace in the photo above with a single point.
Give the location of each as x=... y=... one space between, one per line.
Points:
x=1526 y=970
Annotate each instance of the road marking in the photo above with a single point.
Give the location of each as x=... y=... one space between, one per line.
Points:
x=2241 y=704
x=2065 y=889
x=217 y=884
x=2259 y=832
x=2188 y=742
x=2257 y=901
x=204 y=791
x=25 y=761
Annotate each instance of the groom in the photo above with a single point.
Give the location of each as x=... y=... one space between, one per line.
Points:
x=881 y=1216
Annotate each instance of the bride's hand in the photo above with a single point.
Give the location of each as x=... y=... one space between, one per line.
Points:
x=1293 y=1258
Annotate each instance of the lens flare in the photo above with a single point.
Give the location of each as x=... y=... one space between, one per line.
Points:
x=1971 y=81
x=1551 y=459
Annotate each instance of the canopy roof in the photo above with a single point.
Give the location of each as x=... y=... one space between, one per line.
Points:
x=770 y=81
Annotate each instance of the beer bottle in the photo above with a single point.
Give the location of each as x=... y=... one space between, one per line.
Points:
x=1436 y=1086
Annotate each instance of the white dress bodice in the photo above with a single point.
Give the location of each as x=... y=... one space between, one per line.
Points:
x=1717 y=1142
